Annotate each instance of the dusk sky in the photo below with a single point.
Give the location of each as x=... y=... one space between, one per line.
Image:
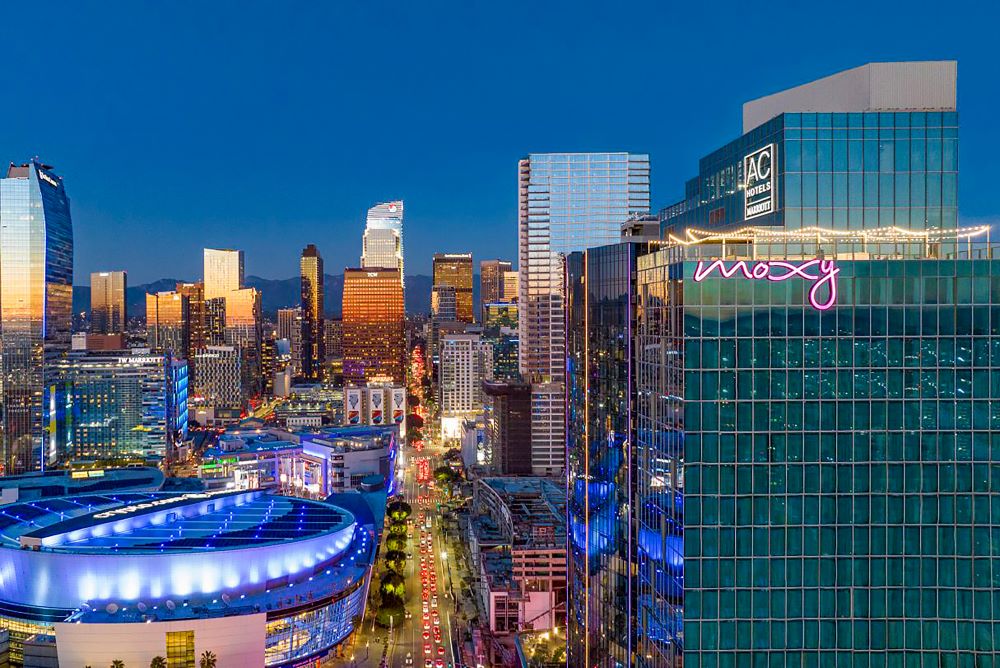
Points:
x=247 y=125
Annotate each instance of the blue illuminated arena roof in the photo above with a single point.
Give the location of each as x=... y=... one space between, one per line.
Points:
x=178 y=554
x=161 y=522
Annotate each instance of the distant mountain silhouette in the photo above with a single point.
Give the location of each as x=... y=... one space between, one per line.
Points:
x=277 y=293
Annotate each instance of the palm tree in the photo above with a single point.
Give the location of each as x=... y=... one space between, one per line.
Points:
x=158 y=662
x=208 y=660
x=117 y=663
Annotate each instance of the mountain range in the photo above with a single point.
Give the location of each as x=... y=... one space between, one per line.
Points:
x=276 y=293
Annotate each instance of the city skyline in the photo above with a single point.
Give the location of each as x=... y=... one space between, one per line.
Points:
x=686 y=350
x=116 y=209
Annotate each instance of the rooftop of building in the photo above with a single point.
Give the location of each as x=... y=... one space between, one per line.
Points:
x=535 y=509
x=340 y=439
x=896 y=86
x=498 y=566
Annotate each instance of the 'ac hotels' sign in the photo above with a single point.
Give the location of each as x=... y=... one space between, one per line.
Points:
x=758 y=175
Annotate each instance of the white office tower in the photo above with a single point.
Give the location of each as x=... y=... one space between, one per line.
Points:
x=466 y=361
x=382 y=245
x=566 y=202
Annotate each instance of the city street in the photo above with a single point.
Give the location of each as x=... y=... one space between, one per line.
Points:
x=424 y=637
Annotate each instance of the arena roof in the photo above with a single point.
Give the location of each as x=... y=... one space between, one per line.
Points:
x=160 y=522
x=151 y=547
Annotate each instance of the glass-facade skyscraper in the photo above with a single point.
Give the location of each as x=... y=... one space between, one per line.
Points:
x=223 y=272
x=455 y=270
x=816 y=382
x=491 y=282
x=382 y=244
x=566 y=202
x=108 y=306
x=600 y=461
x=313 y=354
x=168 y=322
x=36 y=309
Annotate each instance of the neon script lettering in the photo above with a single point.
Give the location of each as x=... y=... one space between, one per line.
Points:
x=821 y=272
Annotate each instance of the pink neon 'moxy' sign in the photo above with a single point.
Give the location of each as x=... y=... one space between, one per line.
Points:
x=818 y=271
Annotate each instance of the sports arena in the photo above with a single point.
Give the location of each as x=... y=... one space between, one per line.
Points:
x=253 y=577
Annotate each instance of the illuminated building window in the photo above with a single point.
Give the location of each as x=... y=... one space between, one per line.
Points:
x=180 y=649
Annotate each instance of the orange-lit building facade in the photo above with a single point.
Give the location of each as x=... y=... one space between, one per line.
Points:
x=455 y=269
x=167 y=323
x=373 y=326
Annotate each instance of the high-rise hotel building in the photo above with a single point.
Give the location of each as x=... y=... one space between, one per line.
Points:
x=382 y=244
x=36 y=309
x=313 y=355
x=122 y=405
x=455 y=270
x=374 y=326
x=818 y=396
x=566 y=202
x=108 y=308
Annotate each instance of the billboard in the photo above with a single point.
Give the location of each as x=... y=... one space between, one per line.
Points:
x=352 y=405
x=376 y=406
x=398 y=404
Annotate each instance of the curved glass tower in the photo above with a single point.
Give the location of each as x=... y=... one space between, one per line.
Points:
x=382 y=245
x=36 y=305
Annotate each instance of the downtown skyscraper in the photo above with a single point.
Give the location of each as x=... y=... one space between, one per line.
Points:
x=382 y=243
x=313 y=348
x=36 y=308
x=108 y=309
x=566 y=202
x=223 y=272
x=374 y=326
x=455 y=270
x=492 y=275
x=168 y=323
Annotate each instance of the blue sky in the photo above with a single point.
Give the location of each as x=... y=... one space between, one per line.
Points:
x=266 y=125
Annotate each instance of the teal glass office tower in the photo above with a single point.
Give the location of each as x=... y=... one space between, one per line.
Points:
x=823 y=335
x=36 y=309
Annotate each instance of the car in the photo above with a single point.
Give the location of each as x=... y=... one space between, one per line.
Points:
x=426 y=618
x=427 y=635
x=439 y=663
x=429 y=663
x=427 y=625
x=409 y=659
x=437 y=621
x=425 y=606
x=427 y=648
x=440 y=650
x=434 y=601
